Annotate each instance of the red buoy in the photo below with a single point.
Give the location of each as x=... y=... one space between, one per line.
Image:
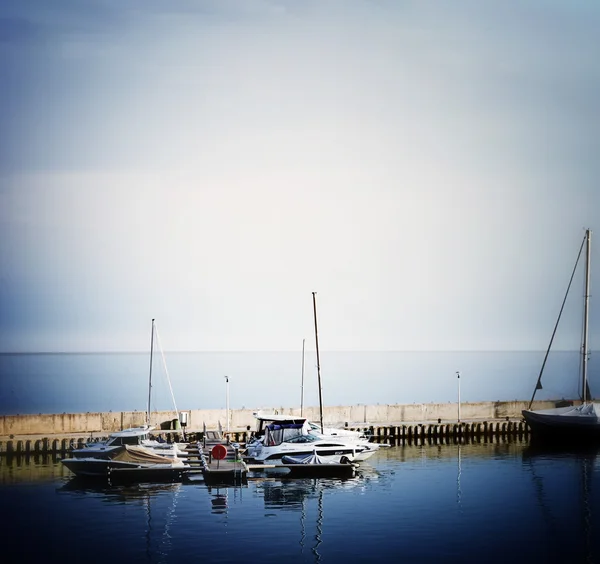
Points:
x=219 y=452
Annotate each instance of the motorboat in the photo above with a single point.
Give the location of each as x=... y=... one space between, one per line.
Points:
x=135 y=436
x=128 y=461
x=263 y=419
x=332 y=433
x=292 y=438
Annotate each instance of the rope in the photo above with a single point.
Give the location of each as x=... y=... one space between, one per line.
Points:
x=538 y=385
x=162 y=354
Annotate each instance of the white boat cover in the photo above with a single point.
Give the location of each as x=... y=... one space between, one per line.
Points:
x=313 y=458
x=586 y=414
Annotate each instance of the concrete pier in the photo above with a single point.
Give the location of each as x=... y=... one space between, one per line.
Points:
x=397 y=424
x=94 y=424
x=419 y=433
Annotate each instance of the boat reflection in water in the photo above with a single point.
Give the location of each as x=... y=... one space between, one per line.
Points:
x=574 y=466
x=157 y=502
x=310 y=498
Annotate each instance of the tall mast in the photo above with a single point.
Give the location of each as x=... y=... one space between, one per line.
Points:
x=314 y=295
x=302 y=385
x=150 y=377
x=584 y=347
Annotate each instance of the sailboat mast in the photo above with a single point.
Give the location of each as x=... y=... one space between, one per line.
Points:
x=314 y=295
x=584 y=347
x=302 y=385
x=150 y=377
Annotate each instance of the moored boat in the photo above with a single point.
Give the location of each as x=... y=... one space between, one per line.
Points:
x=135 y=436
x=121 y=462
x=292 y=438
x=575 y=423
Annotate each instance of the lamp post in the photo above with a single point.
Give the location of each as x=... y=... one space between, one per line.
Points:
x=227 y=400
x=458 y=377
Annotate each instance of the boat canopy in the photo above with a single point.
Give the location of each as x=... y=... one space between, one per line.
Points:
x=277 y=433
x=262 y=420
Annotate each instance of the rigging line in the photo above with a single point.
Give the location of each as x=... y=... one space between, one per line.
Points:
x=162 y=354
x=538 y=384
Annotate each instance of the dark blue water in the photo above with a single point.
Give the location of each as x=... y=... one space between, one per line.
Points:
x=486 y=502
x=73 y=383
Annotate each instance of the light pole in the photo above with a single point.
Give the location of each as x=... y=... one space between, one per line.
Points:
x=458 y=377
x=227 y=400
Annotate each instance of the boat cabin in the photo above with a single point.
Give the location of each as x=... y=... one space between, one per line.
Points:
x=287 y=431
x=133 y=436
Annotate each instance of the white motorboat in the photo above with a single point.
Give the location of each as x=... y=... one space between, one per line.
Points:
x=581 y=422
x=135 y=436
x=292 y=438
x=264 y=419
x=128 y=461
x=281 y=435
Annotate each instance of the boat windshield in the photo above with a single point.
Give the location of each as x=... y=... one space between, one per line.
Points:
x=304 y=439
x=276 y=433
x=126 y=440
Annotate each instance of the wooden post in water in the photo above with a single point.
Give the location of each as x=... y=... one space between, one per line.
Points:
x=314 y=295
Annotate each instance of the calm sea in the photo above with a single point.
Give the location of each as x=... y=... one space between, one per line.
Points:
x=57 y=383
x=469 y=503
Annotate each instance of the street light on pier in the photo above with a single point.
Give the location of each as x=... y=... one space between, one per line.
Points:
x=227 y=400
x=458 y=377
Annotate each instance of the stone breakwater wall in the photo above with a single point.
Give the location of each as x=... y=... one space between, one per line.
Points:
x=358 y=416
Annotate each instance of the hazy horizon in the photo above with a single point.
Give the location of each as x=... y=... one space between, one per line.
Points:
x=428 y=171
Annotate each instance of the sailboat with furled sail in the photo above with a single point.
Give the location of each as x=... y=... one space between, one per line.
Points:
x=136 y=436
x=574 y=422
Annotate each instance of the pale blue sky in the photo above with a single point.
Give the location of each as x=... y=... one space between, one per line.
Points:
x=428 y=169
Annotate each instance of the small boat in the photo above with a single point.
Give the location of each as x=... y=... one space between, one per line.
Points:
x=128 y=462
x=314 y=466
x=574 y=423
x=135 y=436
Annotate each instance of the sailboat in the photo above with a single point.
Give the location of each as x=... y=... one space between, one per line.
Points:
x=571 y=422
x=135 y=436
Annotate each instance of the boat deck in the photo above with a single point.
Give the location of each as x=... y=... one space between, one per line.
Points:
x=230 y=470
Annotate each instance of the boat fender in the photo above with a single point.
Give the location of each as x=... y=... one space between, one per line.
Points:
x=219 y=452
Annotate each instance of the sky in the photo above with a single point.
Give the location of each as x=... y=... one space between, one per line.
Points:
x=428 y=169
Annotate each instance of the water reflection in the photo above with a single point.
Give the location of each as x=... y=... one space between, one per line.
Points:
x=132 y=493
x=574 y=465
x=458 y=488
x=31 y=467
x=156 y=503
x=219 y=500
